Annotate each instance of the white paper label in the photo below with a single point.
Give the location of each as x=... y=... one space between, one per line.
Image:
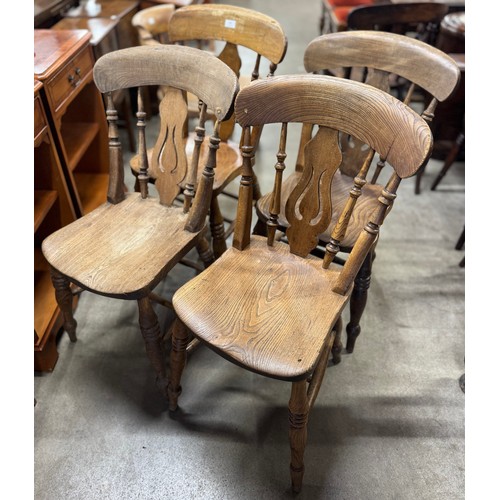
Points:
x=230 y=23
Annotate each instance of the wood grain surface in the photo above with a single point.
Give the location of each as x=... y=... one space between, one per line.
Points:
x=229 y=23
x=387 y=125
x=121 y=250
x=428 y=67
x=273 y=322
x=193 y=70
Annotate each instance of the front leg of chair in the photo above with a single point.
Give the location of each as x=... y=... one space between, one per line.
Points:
x=358 y=301
x=64 y=299
x=298 y=411
x=256 y=193
x=178 y=357
x=217 y=228
x=150 y=329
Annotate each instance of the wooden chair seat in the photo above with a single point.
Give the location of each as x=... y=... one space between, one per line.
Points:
x=228 y=165
x=119 y=244
x=341 y=186
x=249 y=323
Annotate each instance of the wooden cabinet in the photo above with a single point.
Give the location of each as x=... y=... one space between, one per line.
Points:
x=63 y=63
x=71 y=164
x=52 y=209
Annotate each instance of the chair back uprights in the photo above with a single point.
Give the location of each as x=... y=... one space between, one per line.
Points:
x=334 y=106
x=181 y=69
x=235 y=26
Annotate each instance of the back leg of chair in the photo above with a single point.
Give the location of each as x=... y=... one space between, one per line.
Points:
x=298 y=412
x=358 y=301
x=450 y=159
x=64 y=299
x=150 y=329
x=217 y=228
x=205 y=251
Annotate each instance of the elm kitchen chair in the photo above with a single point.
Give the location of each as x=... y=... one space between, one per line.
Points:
x=279 y=318
x=126 y=246
x=374 y=57
x=237 y=29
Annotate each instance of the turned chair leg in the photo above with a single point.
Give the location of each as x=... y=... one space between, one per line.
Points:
x=64 y=299
x=205 y=251
x=150 y=329
x=461 y=240
x=450 y=159
x=418 y=178
x=358 y=301
x=298 y=411
x=260 y=228
x=137 y=185
x=217 y=228
x=337 y=342
x=256 y=192
x=178 y=357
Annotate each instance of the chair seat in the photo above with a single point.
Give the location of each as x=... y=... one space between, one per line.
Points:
x=229 y=161
x=275 y=321
x=341 y=186
x=110 y=250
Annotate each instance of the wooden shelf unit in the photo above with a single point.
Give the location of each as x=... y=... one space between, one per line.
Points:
x=53 y=209
x=64 y=62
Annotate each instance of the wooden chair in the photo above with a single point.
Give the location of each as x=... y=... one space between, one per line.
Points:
x=234 y=27
x=278 y=320
x=126 y=246
x=419 y=19
x=334 y=14
x=375 y=57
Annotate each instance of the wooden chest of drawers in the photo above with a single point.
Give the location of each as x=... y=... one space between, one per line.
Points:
x=64 y=62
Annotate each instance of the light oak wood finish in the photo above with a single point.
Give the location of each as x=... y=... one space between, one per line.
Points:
x=382 y=55
x=126 y=246
x=283 y=317
x=237 y=27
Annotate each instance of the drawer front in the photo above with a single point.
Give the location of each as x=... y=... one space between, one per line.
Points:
x=64 y=85
x=39 y=120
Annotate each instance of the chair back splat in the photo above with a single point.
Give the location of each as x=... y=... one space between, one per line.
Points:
x=282 y=317
x=133 y=68
x=320 y=100
x=224 y=30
